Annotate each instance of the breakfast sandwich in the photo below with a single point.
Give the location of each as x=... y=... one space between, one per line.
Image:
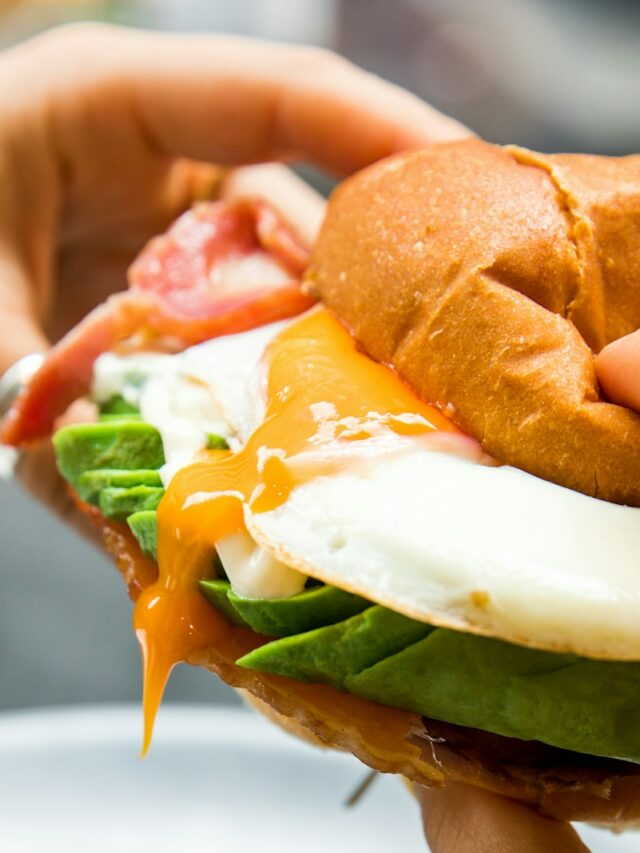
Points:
x=372 y=482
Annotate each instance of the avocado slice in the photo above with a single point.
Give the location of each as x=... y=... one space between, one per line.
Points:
x=573 y=703
x=312 y=608
x=128 y=445
x=216 y=442
x=282 y=617
x=328 y=655
x=118 y=406
x=125 y=416
x=144 y=526
x=119 y=503
x=217 y=593
x=91 y=483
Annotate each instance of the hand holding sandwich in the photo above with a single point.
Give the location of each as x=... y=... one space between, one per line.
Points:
x=95 y=136
x=109 y=135
x=462 y=819
x=93 y=160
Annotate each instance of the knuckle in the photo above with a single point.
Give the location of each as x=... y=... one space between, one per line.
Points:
x=318 y=60
x=75 y=38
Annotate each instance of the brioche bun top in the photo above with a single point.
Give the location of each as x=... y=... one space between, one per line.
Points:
x=488 y=277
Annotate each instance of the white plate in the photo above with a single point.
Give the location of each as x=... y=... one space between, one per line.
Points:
x=215 y=780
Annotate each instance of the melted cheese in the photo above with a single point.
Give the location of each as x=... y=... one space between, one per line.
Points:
x=325 y=406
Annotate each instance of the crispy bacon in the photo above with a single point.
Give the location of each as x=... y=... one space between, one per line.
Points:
x=221 y=268
x=66 y=373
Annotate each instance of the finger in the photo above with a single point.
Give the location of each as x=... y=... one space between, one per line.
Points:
x=462 y=819
x=230 y=100
x=296 y=201
x=20 y=332
x=100 y=255
x=274 y=101
x=103 y=258
x=618 y=369
x=38 y=473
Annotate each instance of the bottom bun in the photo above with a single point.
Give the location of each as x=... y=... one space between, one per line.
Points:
x=558 y=784
x=289 y=724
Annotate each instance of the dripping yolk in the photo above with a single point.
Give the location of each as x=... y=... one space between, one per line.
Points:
x=327 y=405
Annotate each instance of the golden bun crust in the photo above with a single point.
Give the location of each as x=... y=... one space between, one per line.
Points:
x=390 y=740
x=488 y=277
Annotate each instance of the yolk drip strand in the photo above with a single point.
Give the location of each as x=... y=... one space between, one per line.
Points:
x=322 y=397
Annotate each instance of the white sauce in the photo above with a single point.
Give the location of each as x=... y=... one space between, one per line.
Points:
x=253 y=572
x=181 y=407
x=115 y=375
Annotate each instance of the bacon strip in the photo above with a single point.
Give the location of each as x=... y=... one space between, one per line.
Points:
x=221 y=268
x=66 y=373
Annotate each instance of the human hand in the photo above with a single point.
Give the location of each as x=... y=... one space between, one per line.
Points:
x=462 y=819
x=103 y=133
x=618 y=367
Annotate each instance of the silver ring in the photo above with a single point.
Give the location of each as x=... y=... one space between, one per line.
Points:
x=14 y=379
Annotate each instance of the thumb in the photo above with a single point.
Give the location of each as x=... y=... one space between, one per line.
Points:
x=618 y=368
x=462 y=819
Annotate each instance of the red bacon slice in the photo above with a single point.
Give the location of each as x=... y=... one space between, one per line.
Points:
x=221 y=268
x=66 y=373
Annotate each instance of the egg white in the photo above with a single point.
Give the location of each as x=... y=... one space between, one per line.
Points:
x=487 y=550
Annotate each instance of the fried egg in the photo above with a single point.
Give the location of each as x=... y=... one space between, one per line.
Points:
x=341 y=473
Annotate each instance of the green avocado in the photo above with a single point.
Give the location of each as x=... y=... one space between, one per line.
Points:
x=128 y=445
x=91 y=483
x=566 y=701
x=563 y=700
x=144 y=526
x=217 y=593
x=125 y=416
x=118 y=406
x=282 y=617
x=330 y=636
x=312 y=608
x=328 y=655
x=216 y=442
x=120 y=503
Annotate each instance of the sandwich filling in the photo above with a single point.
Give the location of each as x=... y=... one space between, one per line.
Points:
x=283 y=479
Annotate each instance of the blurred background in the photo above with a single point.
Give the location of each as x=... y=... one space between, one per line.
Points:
x=545 y=74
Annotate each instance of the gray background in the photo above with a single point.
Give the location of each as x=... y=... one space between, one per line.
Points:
x=536 y=72
x=65 y=619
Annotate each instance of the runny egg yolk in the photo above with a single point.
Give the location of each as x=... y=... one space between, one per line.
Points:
x=327 y=406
